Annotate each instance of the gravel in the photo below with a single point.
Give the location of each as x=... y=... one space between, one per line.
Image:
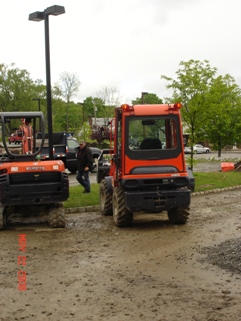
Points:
x=225 y=255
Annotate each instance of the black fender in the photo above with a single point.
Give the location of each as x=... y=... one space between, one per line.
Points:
x=191 y=179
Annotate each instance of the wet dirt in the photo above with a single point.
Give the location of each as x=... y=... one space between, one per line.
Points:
x=92 y=270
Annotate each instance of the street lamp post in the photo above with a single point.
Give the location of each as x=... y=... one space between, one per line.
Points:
x=39 y=16
x=142 y=96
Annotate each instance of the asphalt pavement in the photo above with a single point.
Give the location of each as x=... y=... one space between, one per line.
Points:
x=235 y=153
x=74 y=182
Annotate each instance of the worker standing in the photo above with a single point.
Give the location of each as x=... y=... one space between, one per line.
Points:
x=85 y=165
x=27 y=143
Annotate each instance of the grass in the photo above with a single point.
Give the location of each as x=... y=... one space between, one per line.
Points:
x=209 y=181
x=78 y=199
x=203 y=182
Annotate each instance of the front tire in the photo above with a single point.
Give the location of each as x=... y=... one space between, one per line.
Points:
x=105 y=199
x=121 y=215
x=3 y=219
x=57 y=215
x=207 y=151
x=178 y=216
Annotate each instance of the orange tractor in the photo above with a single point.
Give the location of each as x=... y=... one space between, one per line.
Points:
x=28 y=186
x=145 y=170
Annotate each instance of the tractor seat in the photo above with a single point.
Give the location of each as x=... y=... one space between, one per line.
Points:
x=151 y=143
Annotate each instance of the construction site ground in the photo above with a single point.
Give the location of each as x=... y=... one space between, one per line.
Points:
x=92 y=270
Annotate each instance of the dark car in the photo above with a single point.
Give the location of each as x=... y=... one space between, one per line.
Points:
x=71 y=160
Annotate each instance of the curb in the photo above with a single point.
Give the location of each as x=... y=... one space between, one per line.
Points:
x=96 y=208
x=217 y=190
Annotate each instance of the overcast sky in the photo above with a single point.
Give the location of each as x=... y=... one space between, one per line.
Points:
x=127 y=44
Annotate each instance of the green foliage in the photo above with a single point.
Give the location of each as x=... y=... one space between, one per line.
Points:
x=222 y=114
x=211 y=106
x=59 y=116
x=17 y=89
x=95 y=107
x=147 y=99
x=68 y=86
x=85 y=132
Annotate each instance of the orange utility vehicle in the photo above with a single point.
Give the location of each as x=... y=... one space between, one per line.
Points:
x=146 y=170
x=28 y=186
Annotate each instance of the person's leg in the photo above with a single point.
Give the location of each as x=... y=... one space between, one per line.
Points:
x=87 y=181
x=80 y=179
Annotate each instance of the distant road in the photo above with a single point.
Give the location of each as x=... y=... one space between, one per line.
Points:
x=225 y=154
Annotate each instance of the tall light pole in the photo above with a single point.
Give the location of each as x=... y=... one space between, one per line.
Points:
x=39 y=16
x=142 y=96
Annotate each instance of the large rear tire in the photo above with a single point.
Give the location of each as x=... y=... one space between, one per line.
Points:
x=57 y=215
x=178 y=216
x=3 y=220
x=121 y=215
x=105 y=199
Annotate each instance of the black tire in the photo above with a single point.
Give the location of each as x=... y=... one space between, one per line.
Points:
x=178 y=216
x=121 y=215
x=105 y=199
x=57 y=215
x=9 y=142
x=3 y=221
x=207 y=151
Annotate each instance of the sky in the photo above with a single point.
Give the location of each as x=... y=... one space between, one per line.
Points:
x=126 y=44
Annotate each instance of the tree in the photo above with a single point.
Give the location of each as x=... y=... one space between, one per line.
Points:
x=68 y=86
x=110 y=96
x=191 y=87
x=222 y=114
x=148 y=99
x=16 y=89
x=85 y=131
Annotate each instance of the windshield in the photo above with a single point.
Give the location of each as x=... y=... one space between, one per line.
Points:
x=152 y=134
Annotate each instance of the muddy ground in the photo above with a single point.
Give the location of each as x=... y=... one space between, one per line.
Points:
x=153 y=271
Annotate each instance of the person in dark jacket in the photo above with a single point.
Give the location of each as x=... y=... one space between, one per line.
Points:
x=85 y=164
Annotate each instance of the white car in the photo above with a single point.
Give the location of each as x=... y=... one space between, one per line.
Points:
x=197 y=149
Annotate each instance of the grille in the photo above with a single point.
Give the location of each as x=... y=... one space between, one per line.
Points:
x=35 y=177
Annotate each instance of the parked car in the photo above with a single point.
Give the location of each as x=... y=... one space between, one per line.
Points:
x=15 y=138
x=197 y=149
x=71 y=160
